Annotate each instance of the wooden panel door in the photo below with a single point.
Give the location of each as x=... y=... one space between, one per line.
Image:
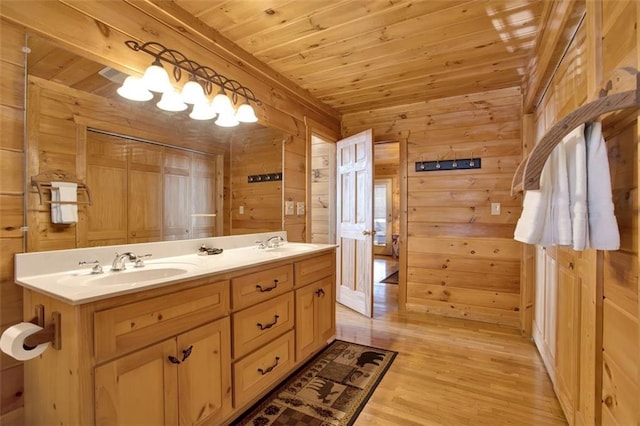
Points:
x=107 y=181
x=145 y=193
x=568 y=338
x=204 y=377
x=138 y=389
x=203 y=198
x=305 y=322
x=177 y=194
x=354 y=278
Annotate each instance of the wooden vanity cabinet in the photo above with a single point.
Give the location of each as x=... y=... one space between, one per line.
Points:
x=198 y=352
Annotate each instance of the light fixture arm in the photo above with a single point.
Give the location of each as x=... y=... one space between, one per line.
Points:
x=205 y=75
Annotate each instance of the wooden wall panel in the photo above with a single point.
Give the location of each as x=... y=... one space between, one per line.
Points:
x=253 y=153
x=295 y=172
x=461 y=260
x=321 y=155
x=11 y=208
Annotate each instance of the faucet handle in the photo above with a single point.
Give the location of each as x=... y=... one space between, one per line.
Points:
x=139 y=262
x=261 y=244
x=97 y=268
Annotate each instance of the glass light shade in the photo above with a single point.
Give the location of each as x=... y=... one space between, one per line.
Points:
x=202 y=111
x=227 y=119
x=192 y=93
x=134 y=90
x=246 y=114
x=221 y=103
x=171 y=102
x=156 y=79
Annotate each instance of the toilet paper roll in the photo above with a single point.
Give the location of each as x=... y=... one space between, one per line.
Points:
x=12 y=341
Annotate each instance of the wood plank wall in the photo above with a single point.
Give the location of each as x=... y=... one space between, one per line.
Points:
x=322 y=157
x=584 y=70
x=461 y=260
x=11 y=208
x=621 y=308
x=255 y=152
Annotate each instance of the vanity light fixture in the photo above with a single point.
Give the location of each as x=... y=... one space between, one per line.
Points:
x=202 y=83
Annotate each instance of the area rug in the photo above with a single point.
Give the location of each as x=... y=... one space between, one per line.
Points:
x=391 y=279
x=331 y=389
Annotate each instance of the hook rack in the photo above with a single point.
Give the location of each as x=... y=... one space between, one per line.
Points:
x=528 y=173
x=51 y=333
x=43 y=181
x=462 y=163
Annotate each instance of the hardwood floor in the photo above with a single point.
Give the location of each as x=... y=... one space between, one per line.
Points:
x=450 y=371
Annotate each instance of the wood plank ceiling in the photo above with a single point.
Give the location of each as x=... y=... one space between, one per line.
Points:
x=357 y=55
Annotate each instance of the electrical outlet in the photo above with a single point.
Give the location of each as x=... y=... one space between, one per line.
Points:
x=495 y=209
x=241 y=210
x=288 y=208
x=300 y=208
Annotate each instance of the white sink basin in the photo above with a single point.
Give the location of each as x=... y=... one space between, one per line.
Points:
x=135 y=276
x=291 y=248
x=130 y=277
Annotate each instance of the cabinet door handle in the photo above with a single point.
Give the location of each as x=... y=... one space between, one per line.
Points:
x=186 y=353
x=264 y=327
x=571 y=265
x=268 y=370
x=320 y=292
x=173 y=359
x=263 y=290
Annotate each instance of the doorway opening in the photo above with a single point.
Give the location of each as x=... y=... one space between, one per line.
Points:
x=322 y=224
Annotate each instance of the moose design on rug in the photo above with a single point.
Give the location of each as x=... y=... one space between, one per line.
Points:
x=323 y=388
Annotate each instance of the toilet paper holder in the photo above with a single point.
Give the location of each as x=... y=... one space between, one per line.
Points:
x=50 y=333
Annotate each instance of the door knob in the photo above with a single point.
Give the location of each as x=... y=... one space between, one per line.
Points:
x=367 y=232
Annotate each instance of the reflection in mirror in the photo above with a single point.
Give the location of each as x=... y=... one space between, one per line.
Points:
x=152 y=175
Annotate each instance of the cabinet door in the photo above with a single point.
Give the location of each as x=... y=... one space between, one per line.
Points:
x=107 y=170
x=145 y=193
x=305 y=321
x=204 y=378
x=325 y=310
x=568 y=338
x=138 y=389
x=177 y=211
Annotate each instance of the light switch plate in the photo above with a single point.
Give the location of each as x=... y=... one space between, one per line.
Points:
x=288 y=208
x=300 y=208
x=495 y=209
x=241 y=210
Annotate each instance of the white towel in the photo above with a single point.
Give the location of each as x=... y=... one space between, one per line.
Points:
x=561 y=233
x=575 y=147
x=67 y=192
x=535 y=206
x=603 y=226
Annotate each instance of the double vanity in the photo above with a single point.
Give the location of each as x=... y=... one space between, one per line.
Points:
x=183 y=338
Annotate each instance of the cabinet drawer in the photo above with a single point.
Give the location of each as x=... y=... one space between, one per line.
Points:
x=128 y=327
x=311 y=270
x=261 y=369
x=254 y=288
x=259 y=324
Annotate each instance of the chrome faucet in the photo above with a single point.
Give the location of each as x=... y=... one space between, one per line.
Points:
x=120 y=260
x=274 y=241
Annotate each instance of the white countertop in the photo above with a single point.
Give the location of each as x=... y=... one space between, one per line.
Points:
x=41 y=272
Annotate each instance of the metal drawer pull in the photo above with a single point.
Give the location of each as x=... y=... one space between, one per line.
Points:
x=263 y=290
x=320 y=292
x=173 y=359
x=268 y=370
x=264 y=327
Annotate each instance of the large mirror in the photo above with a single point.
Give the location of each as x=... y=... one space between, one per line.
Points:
x=149 y=175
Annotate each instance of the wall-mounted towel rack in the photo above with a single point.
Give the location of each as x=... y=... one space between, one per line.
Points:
x=43 y=181
x=527 y=175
